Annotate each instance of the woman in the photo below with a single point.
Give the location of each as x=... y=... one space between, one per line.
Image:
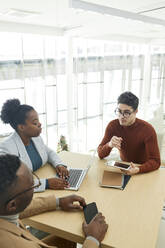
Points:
x=26 y=142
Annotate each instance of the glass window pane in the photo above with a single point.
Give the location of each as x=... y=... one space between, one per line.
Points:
x=135 y=87
x=51 y=105
x=61 y=47
x=107 y=86
x=15 y=83
x=50 y=47
x=94 y=126
x=154 y=99
x=61 y=92
x=11 y=70
x=4 y=96
x=136 y=81
x=74 y=138
x=32 y=46
x=52 y=137
x=81 y=100
x=155 y=72
x=93 y=77
x=108 y=114
x=80 y=78
x=10 y=94
x=11 y=46
x=116 y=85
x=93 y=99
x=153 y=95
x=136 y=74
x=82 y=136
x=50 y=80
x=35 y=96
x=62 y=117
x=126 y=75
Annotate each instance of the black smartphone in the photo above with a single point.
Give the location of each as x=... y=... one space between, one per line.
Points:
x=90 y=211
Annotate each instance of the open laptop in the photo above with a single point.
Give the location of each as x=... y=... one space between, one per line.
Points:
x=77 y=175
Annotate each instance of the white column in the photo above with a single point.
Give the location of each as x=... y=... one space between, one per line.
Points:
x=146 y=87
x=70 y=102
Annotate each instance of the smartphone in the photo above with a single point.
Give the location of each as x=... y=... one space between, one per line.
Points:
x=90 y=211
x=119 y=165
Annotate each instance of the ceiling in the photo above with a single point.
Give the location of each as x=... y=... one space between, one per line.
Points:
x=57 y=15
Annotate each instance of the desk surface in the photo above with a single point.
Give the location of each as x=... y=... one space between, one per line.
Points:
x=133 y=214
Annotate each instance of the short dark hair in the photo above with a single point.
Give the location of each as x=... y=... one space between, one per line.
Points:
x=129 y=99
x=14 y=113
x=9 y=165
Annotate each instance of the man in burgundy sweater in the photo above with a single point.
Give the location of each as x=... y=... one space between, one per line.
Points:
x=135 y=139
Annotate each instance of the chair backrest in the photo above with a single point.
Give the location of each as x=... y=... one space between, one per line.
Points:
x=158 y=123
x=160 y=137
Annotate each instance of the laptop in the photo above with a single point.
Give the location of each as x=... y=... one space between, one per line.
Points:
x=77 y=175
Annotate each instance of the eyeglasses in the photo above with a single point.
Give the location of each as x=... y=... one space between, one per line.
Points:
x=125 y=114
x=36 y=184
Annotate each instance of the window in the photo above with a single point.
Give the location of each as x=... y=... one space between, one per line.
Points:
x=33 y=69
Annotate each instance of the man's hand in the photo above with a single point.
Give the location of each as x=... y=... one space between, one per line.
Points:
x=97 y=228
x=57 y=183
x=115 y=142
x=132 y=170
x=62 y=171
x=67 y=203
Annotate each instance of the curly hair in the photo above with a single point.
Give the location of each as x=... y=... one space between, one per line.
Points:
x=14 y=113
x=9 y=164
x=129 y=99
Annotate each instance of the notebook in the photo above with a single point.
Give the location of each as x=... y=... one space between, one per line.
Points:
x=114 y=180
x=77 y=175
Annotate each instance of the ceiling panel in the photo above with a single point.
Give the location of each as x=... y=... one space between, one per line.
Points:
x=56 y=13
x=129 y=5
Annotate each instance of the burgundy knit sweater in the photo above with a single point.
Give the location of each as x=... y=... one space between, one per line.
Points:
x=139 y=144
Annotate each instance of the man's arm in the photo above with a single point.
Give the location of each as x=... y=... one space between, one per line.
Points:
x=94 y=232
x=104 y=149
x=153 y=154
x=38 y=205
x=41 y=204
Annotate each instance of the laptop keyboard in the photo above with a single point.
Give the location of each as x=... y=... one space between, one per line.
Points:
x=74 y=176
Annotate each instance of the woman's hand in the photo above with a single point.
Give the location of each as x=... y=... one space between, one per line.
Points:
x=57 y=183
x=62 y=171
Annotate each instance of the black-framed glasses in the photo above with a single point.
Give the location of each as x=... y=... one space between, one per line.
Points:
x=125 y=113
x=36 y=184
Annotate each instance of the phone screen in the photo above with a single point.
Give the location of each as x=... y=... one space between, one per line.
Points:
x=90 y=211
x=122 y=166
